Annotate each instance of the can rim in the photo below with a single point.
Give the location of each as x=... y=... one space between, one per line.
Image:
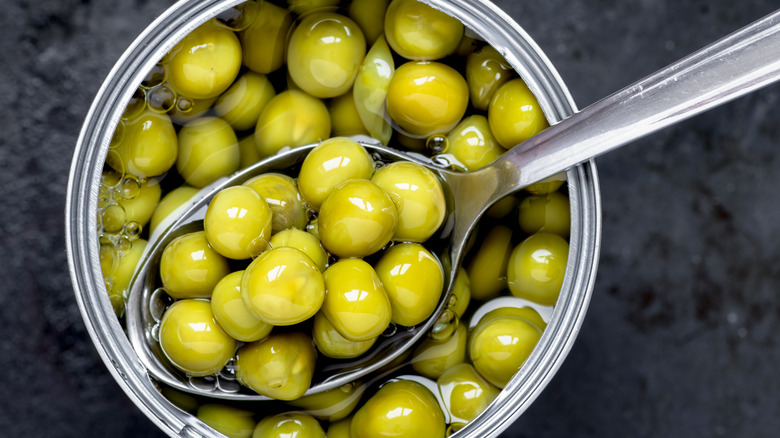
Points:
x=486 y=20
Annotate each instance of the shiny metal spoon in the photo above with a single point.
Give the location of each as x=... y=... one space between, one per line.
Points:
x=736 y=65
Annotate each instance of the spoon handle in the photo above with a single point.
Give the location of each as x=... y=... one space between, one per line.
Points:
x=729 y=68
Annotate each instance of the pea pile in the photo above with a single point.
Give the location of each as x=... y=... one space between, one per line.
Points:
x=325 y=259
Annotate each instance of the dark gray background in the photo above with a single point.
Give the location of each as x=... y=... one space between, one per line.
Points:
x=681 y=336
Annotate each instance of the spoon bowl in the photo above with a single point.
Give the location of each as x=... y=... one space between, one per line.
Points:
x=147 y=301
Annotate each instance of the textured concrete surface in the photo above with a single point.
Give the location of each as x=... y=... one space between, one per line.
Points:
x=680 y=339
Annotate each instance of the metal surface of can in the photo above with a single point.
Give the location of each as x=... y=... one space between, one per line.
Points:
x=482 y=18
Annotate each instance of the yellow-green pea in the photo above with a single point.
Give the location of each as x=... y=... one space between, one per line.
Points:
x=238 y=223
x=432 y=357
x=280 y=366
x=357 y=219
x=502 y=208
x=264 y=41
x=188 y=109
x=466 y=46
x=330 y=342
x=472 y=143
x=123 y=270
x=427 y=98
x=340 y=429
x=170 y=203
x=190 y=267
x=332 y=405
x=466 y=394
x=416 y=144
x=205 y=62
x=281 y=194
x=461 y=293
x=527 y=313
x=307 y=243
x=547 y=185
x=514 y=114
x=344 y=117
x=418 y=196
x=498 y=347
x=247 y=151
x=243 y=102
x=356 y=303
x=149 y=146
x=313 y=228
x=401 y=408
x=537 y=267
x=331 y=163
x=370 y=16
x=548 y=213
x=231 y=312
x=208 y=150
x=289 y=425
x=419 y=32
x=292 y=118
x=324 y=53
x=192 y=339
x=227 y=420
x=182 y=400
x=486 y=70
x=413 y=279
x=487 y=269
x=302 y=7
x=370 y=90
x=283 y=286
x=139 y=208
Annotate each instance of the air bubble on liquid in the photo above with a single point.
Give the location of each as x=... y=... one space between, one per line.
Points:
x=115 y=158
x=129 y=188
x=229 y=371
x=442 y=160
x=311 y=214
x=207 y=383
x=105 y=197
x=376 y=156
x=159 y=300
x=445 y=326
x=437 y=144
x=229 y=386
x=118 y=136
x=184 y=104
x=113 y=218
x=111 y=179
x=238 y=17
x=161 y=98
x=449 y=161
x=390 y=330
x=133 y=230
x=154 y=77
x=453 y=301
x=109 y=282
x=154 y=332
x=124 y=244
x=347 y=387
x=136 y=105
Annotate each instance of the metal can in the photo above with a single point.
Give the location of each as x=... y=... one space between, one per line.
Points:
x=487 y=22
